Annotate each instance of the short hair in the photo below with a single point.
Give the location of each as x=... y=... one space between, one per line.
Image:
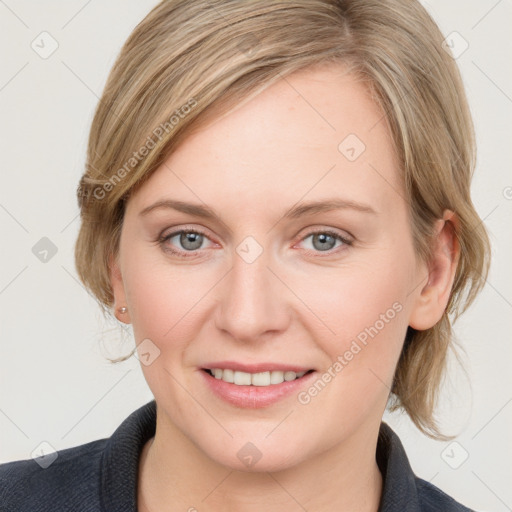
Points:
x=190 y=60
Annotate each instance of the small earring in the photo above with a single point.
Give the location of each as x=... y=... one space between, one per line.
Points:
x=122 y=310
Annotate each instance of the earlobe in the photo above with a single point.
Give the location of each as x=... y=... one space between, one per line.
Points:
x=433 y=299
x=116 y=282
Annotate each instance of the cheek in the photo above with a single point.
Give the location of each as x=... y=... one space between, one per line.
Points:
x=161 y=295
x=164 y=300
x=364 y=309
x=352 y=300
x=163 y=309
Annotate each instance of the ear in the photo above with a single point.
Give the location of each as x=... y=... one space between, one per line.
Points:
x=431 y=303
x=117 y=284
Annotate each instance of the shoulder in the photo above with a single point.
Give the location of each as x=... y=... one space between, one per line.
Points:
x=97 y=476
x=402 y=489
x=65 y=480
x=432 y=499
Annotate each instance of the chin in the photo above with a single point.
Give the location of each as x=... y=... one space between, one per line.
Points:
x=252 y=457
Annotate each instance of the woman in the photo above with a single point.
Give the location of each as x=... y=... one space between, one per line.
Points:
x=277 y=199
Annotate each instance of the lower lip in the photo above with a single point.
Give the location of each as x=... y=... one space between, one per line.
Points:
x=254 y=397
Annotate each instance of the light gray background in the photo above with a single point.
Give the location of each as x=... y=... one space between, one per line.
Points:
x=56 y=385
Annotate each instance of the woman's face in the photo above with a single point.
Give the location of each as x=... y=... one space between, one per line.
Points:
x=299 y=256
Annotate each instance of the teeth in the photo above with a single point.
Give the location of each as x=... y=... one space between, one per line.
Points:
x=260 y=379
x=227 y=375
x=242 y=379
x=254 y=379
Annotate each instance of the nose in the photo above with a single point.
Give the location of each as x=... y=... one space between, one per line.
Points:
x=253 y=301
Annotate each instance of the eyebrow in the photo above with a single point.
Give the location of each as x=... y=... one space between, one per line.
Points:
x=299 y=210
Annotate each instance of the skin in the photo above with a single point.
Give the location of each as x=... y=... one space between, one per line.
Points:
x=296 y=303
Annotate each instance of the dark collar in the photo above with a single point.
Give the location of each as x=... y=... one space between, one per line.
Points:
x=120 y=460
x=399 y=490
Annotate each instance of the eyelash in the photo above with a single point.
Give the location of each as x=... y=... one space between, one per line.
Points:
x=162 y=239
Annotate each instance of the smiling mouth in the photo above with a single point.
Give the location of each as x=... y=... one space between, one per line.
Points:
x=260 y=379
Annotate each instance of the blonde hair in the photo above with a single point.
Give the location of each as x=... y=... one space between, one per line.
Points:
x=190 y=60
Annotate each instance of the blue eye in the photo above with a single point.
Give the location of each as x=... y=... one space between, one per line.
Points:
x=189 y=241
x=324 y=241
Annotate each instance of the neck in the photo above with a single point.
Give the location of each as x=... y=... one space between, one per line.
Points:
x=175 y=475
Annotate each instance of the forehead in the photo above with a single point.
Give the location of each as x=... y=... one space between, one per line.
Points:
x=313 y=133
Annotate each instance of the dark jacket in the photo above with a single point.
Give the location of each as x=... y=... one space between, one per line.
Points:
x=101 y=476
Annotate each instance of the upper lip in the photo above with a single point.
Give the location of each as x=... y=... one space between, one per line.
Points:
x=256 y=367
